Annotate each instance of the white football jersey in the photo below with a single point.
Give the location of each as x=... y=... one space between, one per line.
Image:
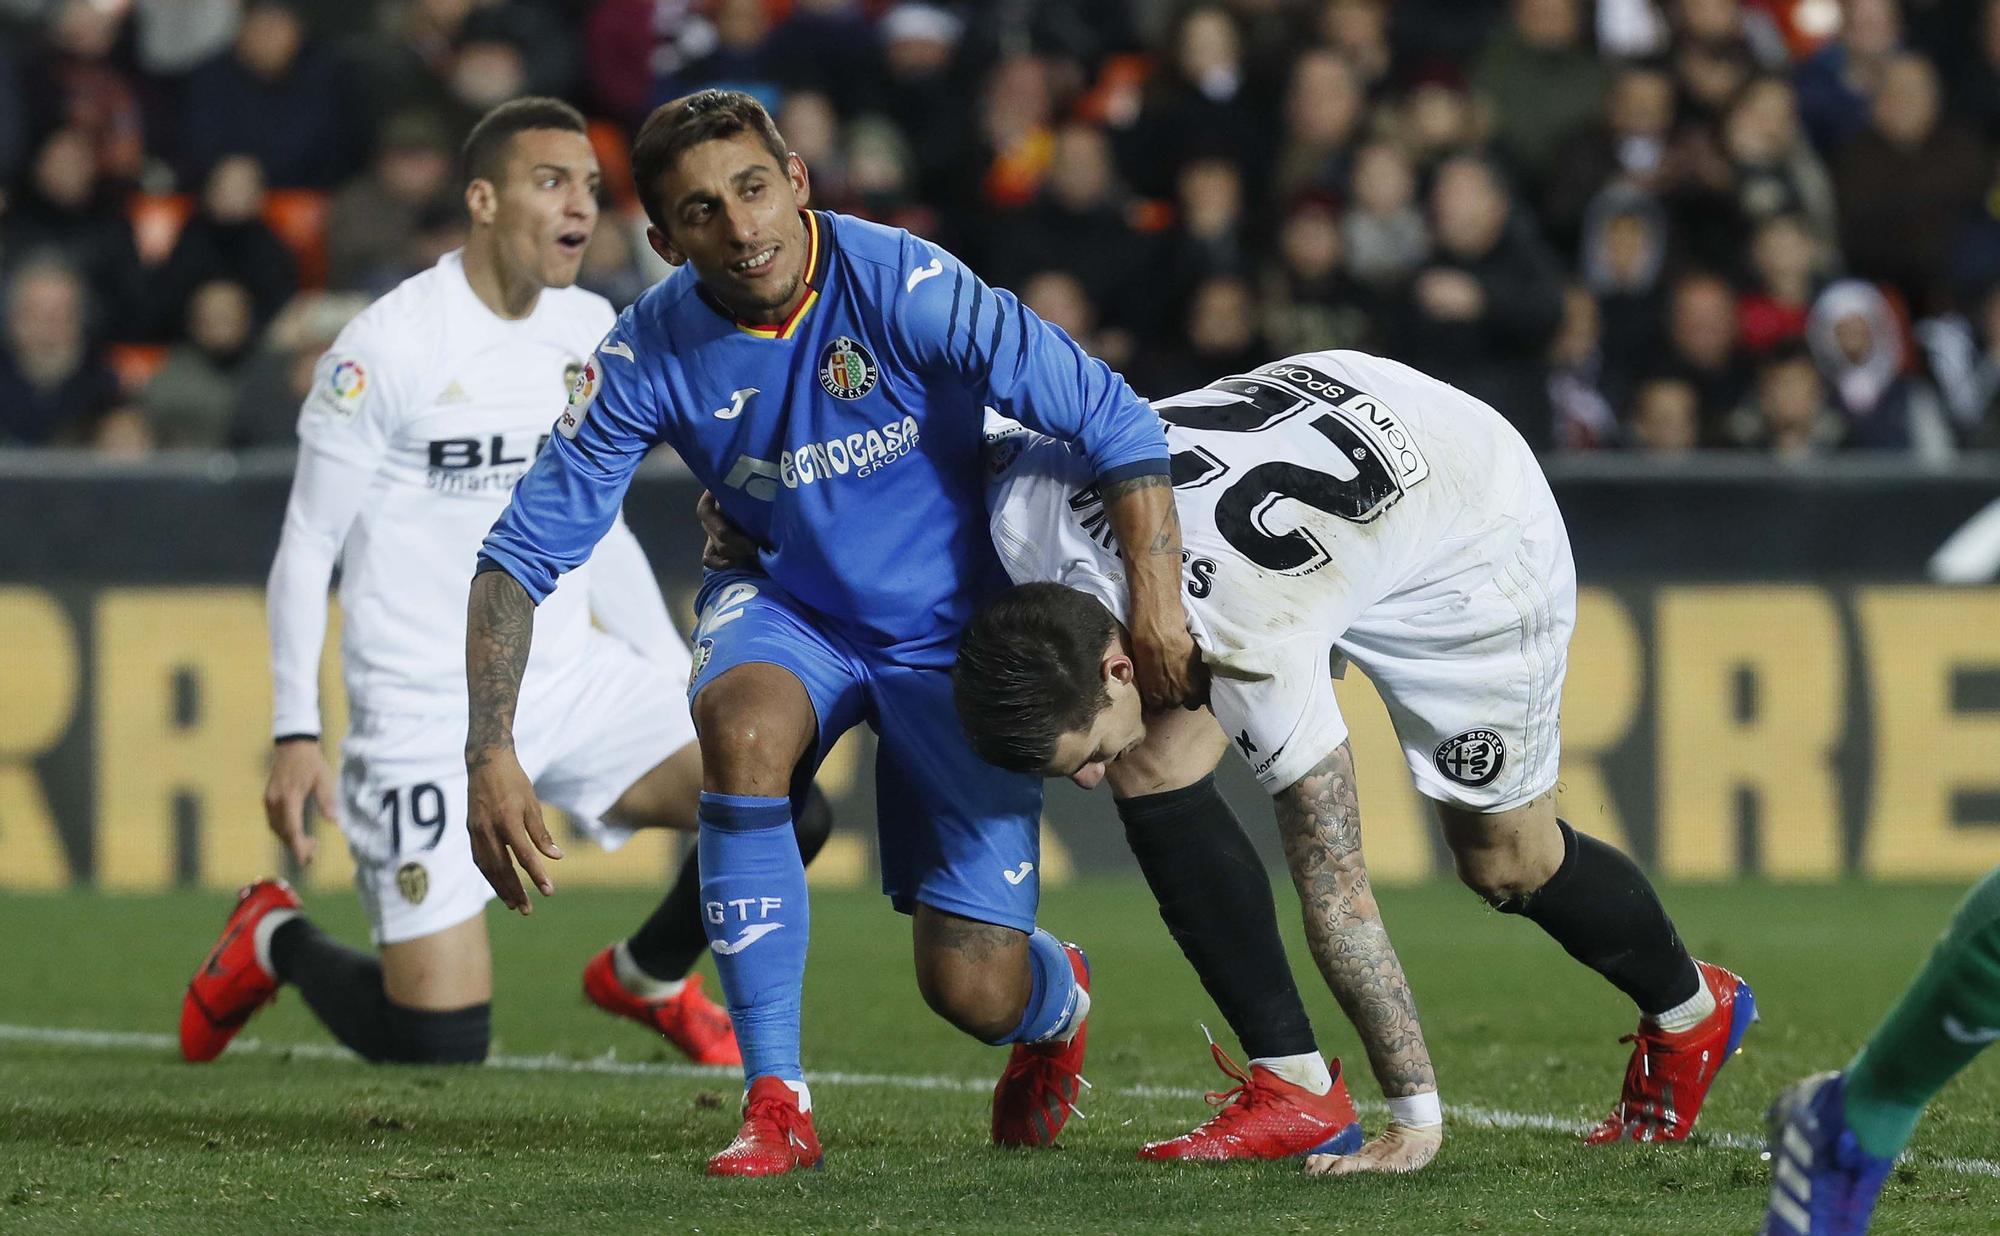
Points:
x=448 y=404
x=1316 y=493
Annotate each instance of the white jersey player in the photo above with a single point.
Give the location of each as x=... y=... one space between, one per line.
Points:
x=1340 y=506
x=427 y=410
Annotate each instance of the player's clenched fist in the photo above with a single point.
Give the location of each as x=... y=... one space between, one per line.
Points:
x=726 y=545
x=298 y=772
x=505 y=820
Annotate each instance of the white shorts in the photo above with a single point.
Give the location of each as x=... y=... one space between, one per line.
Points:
x=583 y=737
x=1472 y=670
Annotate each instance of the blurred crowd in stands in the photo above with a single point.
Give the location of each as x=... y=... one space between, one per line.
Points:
x=1643 y=225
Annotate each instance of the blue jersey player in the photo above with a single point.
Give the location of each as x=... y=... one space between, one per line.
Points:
x=825 y=378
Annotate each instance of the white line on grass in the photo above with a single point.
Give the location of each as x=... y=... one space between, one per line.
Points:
x=1465 y=1113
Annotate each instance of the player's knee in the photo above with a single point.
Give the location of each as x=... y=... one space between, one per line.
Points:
x=1500 y=873
x=749 y=743
x=430 y=1036
x=984 y=999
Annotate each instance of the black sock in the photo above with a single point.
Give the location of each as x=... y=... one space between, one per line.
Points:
x=1215 y=897
x=343 y=987
x=1601 y=908
x=672 y=938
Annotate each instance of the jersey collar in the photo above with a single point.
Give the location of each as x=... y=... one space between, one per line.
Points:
x=819 y=255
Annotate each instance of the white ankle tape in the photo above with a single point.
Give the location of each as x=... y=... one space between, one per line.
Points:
x=1417 y=1110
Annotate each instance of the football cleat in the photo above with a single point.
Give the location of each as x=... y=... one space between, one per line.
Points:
x=231 y=985
x=776 y=1137
x=690 y=1020
x=1669 y=1074
x=1822 y=1182
x=1039 y=1088
x=1263 y=1116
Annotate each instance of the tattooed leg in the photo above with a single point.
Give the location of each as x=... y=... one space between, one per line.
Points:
x=977 y=976
x=1319 y=818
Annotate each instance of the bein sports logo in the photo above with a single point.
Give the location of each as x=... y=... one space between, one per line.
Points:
x=719 y=916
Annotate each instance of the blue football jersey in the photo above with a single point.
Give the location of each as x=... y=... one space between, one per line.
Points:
x=845 y=440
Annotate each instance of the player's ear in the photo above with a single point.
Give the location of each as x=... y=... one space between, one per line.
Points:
x=664 y=247
x=1118 y=669
x=482 y=202
x=795 y=170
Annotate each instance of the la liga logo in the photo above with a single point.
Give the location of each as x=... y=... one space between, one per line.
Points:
x=347 y=381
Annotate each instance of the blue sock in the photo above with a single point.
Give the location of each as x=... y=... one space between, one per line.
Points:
x=753 y=894
x=1053 y=995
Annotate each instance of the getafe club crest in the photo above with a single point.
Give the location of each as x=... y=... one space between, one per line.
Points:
x=1473 y=758
x=846 y=371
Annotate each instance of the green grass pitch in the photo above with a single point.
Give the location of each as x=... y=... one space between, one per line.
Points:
x=584 y=1124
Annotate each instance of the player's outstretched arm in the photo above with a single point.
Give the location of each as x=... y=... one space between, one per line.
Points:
x=502 y=812
x=1319 y=820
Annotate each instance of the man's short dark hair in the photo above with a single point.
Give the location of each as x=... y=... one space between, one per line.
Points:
x=484 y=156
x=679 y=126
x=1028 y=672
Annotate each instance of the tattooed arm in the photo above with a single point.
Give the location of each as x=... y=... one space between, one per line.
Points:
x=502 y=812
x=1319 y=819
x=1148 y=528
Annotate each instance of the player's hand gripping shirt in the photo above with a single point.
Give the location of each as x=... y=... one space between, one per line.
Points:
x=845 y=441
x=1314 y=493
x=421 y=418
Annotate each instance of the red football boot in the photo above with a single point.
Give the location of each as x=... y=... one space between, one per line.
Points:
x=1263 y=1116
x=776 y=1136
x=690 y=1021
x=1670 y=1074
x=231 y=985
x=1042 y=1081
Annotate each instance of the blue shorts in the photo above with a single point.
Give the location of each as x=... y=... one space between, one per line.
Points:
x=956 y=833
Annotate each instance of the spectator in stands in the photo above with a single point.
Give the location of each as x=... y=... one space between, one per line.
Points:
x=1440 y=121
x=1482 y=314
x=1310 y=301
x=1016 y=130
x=1788 y=267
x=77 y=82
x=66 y=208
x=369 y=222
x=1906 y=184
x=489 y=65
x=1077 y=224
x=739 y=57
x=1701 y=345
x=191 y=399
x=1059 y=297
x=1731 y=22
x=883 y=167
x=1627 y=144
x=1858 y=344
x=1837 y=83
x=1665 y=418
x=1200 y=105
x=53 y=383
x=1542 y=82
x=1211 y=235
x=1776 y=170
x=122 y=432
x=279 y=372
x=622 y=44
x=226 y=238
x=1324 y=110
x=1790 y=416
x=1976 y=86
x=278 y=97
x=829 y=48
x=1218 y=336
x=1624 y=251
x=1584 y=419
x=812 y=128
x=923 y=91
x=1359 y=31
x=1383 y=231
